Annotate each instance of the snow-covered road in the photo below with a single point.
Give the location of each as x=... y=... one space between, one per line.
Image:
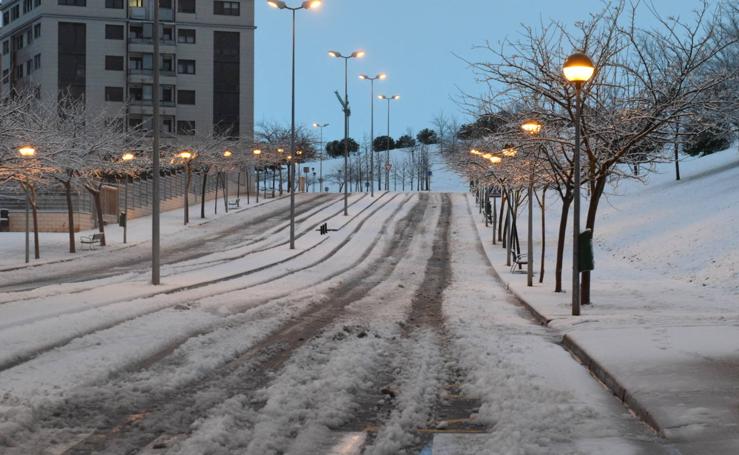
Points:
x=387 y=336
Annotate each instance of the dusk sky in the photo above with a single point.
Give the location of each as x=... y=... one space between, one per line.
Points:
x=412 y=41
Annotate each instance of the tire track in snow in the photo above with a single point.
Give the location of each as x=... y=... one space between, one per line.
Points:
x=26 y=357
x=253 y=369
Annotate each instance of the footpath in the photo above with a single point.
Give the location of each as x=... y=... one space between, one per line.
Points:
x=669 y=351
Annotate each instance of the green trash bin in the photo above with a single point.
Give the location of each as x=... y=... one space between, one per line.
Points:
x=122 y=219
x=585 y=260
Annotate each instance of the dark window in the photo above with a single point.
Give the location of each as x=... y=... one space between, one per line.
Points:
x=6 y=77
x=37 y=30
x=73 y=2
x=185 y=35
x=15 y=12
x=114 y=63
x=113 y=31
x=114 y=4
x=6 y=47
x=226 y=8
x=226 y=74
x=114 y=94
x=19 y=71
x=72 y=44
x=186 y=66
x=167 y=95
x=186 y=6
x=6 y=18
x=185 y=96
x=29 y=67
x=37 y=61
x=27 y=6
x=165 y=4
x=185 y=127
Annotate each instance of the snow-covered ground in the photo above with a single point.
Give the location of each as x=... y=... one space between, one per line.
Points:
x=664 y=323
x=443 y=179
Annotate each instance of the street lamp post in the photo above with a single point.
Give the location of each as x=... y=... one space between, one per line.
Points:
x=155 y=207
x=532 y=127
x=372 y=79
x=257 y=155
x=387 y=142
x=27 y=152
x=320 y=154
x=279 y=4
x=126 y=158
x=578 y=69
x=347 y=113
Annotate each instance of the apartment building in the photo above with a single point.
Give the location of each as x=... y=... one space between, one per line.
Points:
x=103 y=49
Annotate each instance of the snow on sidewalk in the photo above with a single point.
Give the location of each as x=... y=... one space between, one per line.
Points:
x=536 y=399
x=664 y=328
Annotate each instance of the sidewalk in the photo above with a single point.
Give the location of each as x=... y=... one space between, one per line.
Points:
x=668 y=349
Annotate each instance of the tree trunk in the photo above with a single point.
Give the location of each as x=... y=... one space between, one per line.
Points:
x=677 y=151
x=70 y=215
x=543 y=233
x=566 y=202
x=224 y=178
x=215 y=198
x=600 y=185
x=500 y=220
x=202 y=192
x=98 y=210
x=280 y=180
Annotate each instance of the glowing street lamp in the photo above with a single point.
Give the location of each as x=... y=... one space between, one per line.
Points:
x=387 y=143
x=27 y=152
x=279 y=4
x=321 y=126
x=372 y=79
x=578 y=69
x=345 y=105
x=127 y=157
x=257 y=155
x=533 y=128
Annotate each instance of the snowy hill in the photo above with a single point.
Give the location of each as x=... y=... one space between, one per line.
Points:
x=443 y=179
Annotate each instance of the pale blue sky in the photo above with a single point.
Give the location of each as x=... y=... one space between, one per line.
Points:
x=411 y=40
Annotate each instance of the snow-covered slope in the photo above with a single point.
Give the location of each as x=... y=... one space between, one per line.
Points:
x=443 y=179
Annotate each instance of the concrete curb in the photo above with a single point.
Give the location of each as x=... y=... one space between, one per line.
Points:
x=580 y=353
x=610 y=381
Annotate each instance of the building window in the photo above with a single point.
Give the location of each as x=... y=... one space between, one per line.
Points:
x=186 y=66
x=29 y=36
x=114 y=94
x=6 y=18
x=71 y=65
x=185 y=96
x=186 y=127
x=186 y=6
x=73 y=2
x=114 y=4
x=27 y=6
x=6 y=77
x=29 y=67
x=226 y=8
x=165 y=4
x=37 y=61
x=167 y=94
x=15 y=12
x=19 y=71
x=37 y=31
x=135 y=3
x=113 y=31
x=167 y=34
x=6 y=47
x=186 y=36
x=113 y=63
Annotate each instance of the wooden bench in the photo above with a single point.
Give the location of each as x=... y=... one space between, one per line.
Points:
x=92 y=240
x=234 y=204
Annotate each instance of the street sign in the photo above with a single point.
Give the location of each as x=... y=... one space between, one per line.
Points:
x=306 y=169
x=388 y=166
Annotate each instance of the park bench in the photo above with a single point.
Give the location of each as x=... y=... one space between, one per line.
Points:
x=234 y=204
x=518 y=260
x=92 y=240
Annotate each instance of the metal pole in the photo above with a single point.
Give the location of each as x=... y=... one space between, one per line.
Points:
x=387 y=149
x=346 y=136
x=372 y=137
x=292 y=147
x=28 y=228
x=155 y=278
x=576 y=209
x=320 y=157
x=125 y=210
x=530 y=240
x=257 y=171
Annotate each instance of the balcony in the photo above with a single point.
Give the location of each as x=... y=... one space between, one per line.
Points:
x=147 y=14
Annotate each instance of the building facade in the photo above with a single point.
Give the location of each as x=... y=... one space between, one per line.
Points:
x=103 y=50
